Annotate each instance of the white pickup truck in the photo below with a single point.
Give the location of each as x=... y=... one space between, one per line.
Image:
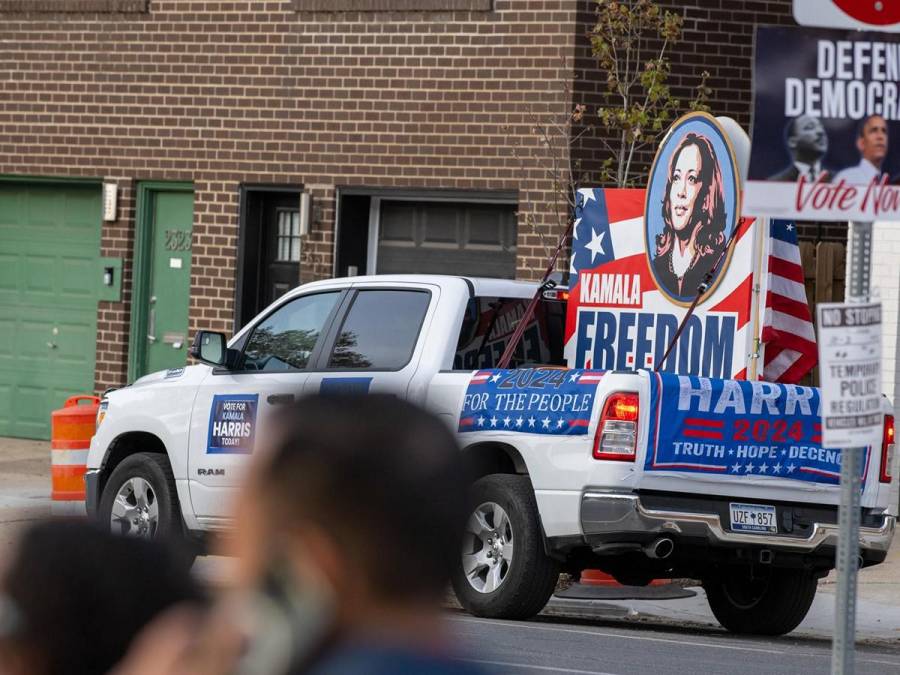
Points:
x=643 y=475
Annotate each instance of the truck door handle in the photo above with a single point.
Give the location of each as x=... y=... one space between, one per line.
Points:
x=280 y=399
x=151 y=330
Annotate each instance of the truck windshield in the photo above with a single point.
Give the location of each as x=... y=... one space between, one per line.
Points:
x=489 y=323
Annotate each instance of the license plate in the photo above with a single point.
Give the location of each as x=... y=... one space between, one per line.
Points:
x=753 y=518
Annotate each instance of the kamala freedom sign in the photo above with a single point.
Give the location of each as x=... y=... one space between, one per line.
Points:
x=638 y=257
x=826 y=125
x=548 y=401
x=731 y=428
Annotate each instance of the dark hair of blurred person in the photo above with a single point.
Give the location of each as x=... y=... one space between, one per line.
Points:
x=72 y=598
x=353 y=521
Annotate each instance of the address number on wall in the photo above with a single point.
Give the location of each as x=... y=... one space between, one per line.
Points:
x=178 y=240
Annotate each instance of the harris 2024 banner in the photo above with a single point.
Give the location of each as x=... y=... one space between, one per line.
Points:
x=826 y=125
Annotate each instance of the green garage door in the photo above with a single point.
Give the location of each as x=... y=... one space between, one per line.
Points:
x=49 y=249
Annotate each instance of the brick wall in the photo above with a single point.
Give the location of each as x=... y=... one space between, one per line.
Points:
x=221 y=93
x=252 y=91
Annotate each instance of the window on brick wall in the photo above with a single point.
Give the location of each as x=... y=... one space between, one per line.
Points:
x=392 y=5
x=424 y=234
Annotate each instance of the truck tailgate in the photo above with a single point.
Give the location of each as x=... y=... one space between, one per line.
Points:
x=748 y=440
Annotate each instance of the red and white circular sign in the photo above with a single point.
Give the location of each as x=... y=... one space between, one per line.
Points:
x=878 y=15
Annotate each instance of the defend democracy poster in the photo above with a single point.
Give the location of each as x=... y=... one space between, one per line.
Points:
x=639 y=255
x=826 y=125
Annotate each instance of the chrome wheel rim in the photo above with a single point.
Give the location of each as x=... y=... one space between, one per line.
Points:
x=487 y=548
x=135 y=511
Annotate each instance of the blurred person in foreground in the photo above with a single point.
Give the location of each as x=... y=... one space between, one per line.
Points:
x=347 y=531
x=72 y=598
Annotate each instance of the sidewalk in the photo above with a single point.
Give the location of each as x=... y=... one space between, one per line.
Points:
x=25 y=497
x=24 y=486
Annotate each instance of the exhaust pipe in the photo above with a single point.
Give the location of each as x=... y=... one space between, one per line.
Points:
x=660 y=549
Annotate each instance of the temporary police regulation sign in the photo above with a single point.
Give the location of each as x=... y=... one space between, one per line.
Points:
x=638 y=257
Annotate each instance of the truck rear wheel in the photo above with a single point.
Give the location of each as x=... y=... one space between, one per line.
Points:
x=139 y=499
x=504 y=572
x=760 y=601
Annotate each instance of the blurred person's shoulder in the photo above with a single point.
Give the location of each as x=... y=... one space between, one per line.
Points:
x=384 y=660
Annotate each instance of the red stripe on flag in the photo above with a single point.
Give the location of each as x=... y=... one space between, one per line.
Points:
x=830 y=474
x=698 y=422
x=772 y=351
x=788 y=270
x=800 y=368
x=579 y=423
x=789 y=341
x=788 y=357
x=624 y=204
x=697 y=433
x=789 y=306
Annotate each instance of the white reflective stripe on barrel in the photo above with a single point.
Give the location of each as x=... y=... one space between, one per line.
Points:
x=69 y=457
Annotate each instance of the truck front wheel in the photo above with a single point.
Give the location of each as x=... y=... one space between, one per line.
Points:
x=760 y=601
x=139 y=499
x=504 y=572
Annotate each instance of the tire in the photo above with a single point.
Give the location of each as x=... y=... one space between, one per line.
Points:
x=519 y=577
x=154 y=515
x=771 y=603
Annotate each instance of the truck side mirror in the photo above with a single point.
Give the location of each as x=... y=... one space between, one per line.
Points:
x=209 y=347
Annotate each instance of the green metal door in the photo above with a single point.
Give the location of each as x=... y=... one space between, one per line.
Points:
x=49 y=286
x=165 y=214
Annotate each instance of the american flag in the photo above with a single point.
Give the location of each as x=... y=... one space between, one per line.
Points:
x=788 y=332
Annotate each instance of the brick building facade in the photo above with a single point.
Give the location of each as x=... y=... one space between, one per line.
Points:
x=374 y=104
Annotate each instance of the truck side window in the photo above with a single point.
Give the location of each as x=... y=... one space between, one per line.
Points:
x=380 y=330
x=285 y=339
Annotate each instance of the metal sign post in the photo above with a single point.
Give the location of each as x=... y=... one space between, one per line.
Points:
x=843 y=646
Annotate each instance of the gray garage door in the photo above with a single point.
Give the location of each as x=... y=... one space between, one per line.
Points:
x=447 y=238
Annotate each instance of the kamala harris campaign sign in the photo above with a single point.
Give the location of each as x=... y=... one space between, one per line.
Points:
x=826 y=125
x=638 y=257
x=727 y=428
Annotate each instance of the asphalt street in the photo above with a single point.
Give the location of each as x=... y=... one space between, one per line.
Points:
x=591 y=648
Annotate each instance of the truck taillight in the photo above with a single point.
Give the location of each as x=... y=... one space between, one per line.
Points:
x=887 y=449
x=616 y=436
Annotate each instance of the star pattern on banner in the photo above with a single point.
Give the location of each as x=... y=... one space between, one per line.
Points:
x=591 y=238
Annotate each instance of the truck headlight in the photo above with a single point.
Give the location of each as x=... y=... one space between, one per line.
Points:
x=101 y=413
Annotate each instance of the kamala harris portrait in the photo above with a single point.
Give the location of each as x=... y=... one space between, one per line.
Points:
x=691 y=207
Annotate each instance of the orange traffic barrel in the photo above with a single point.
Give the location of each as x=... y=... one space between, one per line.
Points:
x=71 y=428
x=598 y=578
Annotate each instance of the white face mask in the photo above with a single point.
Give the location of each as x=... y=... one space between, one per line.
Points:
x=285 y=619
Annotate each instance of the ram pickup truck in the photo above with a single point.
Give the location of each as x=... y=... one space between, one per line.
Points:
x=643 y=475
